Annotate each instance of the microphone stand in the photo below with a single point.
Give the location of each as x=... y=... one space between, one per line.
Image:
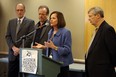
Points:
x=23 y=38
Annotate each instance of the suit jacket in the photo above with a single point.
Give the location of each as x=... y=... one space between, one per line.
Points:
x=26 y=27
x=63 y=40
x=101 y=58
x=44 y=33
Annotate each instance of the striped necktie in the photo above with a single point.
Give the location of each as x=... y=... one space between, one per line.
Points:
x=18 y=26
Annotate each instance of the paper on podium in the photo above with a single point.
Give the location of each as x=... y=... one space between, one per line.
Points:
x=28 y=61
x=33 y=62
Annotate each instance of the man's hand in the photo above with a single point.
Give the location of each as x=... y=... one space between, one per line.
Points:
x=16 y=50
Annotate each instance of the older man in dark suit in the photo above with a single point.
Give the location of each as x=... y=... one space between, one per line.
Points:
x=17 y=28
x=101 y=58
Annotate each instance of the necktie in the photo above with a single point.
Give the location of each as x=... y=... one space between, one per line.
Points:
x=18 y=26
x=94 y=33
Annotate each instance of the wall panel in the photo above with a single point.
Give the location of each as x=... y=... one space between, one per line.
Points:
x=73 y=11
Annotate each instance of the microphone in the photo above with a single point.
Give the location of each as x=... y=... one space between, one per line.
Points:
x=46 y=24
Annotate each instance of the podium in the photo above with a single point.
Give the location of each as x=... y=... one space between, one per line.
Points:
x=34 y=64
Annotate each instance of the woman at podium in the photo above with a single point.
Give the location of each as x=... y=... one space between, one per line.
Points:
x=59 y=43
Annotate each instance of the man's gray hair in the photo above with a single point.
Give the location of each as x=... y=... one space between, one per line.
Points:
x=97 y=10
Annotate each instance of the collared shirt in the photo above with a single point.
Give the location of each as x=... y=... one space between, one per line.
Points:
x=21 y=20
x=93 y=36
x=98 y=24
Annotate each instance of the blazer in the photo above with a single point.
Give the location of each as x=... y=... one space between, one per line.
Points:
x=101 y=58
x=63 y=40
x=44 y=34
x=26 y=27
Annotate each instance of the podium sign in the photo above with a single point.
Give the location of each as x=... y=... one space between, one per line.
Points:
x=29 y=60
x=34 y=64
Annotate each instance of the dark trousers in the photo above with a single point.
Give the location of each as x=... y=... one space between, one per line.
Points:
x=13 y=68
x=64 y=72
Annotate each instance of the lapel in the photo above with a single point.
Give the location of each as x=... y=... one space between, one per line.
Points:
x=43 y=31
x=96 y=38
x=14 y=27
x=22 y=24
x=57 y=34
x=15 y=23
x=44 y=28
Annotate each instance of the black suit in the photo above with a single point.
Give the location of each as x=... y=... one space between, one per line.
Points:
x=43 y=34
x=101 y=58
x=26 y=27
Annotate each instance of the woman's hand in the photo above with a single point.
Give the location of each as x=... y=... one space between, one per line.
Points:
x=49 y=44
x=38 y=46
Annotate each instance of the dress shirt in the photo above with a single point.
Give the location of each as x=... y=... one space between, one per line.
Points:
x=94 y=33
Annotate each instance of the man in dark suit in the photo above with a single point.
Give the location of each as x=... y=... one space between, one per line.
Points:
x=17 y=28
x=42 y=27
x=101 y=58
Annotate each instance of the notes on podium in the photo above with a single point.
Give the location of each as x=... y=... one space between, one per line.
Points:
x=32 y=61
x=28 y=61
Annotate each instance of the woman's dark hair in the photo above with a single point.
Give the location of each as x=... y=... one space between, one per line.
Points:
x=60 y=17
